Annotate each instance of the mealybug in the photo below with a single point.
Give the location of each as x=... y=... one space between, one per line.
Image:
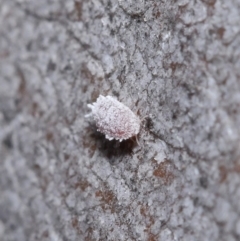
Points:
x=114 y=119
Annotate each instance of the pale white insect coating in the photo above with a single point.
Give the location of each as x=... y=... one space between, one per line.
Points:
x=114 y=119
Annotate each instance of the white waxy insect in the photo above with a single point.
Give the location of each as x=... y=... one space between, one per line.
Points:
x=114 y=119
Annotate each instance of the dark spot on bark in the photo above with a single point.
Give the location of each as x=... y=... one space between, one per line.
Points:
x=67 y=67
x=22 y=85
x=221 y=32
x=174 y=115
x=12 y=226
x=174 y=66
x=157 y=14
x=149 y=123
x=196 y=201
x=51 y=66
x=109 y=4
x=49 y=136
x=138 y=16
x=34 y=109
x=8 y=142
x=45 y=234
x=112 y=32
x=209 y=136
x=115 y=93
x=66 y=156
x=75 y=222
x=203 y=182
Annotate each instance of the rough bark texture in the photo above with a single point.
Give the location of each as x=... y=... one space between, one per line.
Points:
x=176 y=63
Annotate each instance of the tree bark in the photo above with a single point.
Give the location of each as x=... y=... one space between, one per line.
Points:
x=176 y=64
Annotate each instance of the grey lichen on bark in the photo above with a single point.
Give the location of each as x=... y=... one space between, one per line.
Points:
x=176 y=64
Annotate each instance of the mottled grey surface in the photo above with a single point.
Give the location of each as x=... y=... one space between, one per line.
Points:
x=176 y=63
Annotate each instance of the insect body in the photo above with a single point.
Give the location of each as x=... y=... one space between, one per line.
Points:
x=114 y=119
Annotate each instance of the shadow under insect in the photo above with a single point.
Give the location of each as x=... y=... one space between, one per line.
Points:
x=114 y=149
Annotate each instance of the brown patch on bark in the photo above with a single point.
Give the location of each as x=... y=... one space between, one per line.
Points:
x=237 y=168
x=75 y=225
x=83 y=185
x=149 y=222
x=163 y=171
x=34 y=109
x=210 y=3
x=45 y=234
x=4 y=54
x=221 y=32
x=151 y=237
x=22 y=85
x=143 y=211
x=87 y=74
x=89 y=235
x=78 y=8
x=49 y=136
x=66 y=156
x=107 y=198
x=74 y=222
x=223 y=173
